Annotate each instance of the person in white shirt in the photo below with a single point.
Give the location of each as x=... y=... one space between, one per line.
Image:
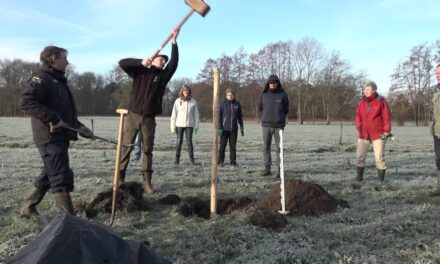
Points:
x=185 y=120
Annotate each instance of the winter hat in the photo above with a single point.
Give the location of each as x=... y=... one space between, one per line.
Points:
x=273 y=78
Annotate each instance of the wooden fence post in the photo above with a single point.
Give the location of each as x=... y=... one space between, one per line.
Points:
x=214 y=144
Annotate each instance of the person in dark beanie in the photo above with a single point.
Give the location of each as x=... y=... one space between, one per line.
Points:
x=49 y=102
x=150 y=78
x=274 y=107
x=184 y=120
x=435 y=127
x=229 y=115
x=373 y=123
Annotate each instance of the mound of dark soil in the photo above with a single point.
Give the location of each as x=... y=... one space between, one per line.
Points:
x=267 y=219
x=129 y=199
x=302 y=198
x=202 y=208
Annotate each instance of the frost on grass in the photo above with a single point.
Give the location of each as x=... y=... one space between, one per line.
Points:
x=394 y=222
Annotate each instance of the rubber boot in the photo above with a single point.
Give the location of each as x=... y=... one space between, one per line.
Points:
x=360 y=173
x=32 y=200
x=278 y=175
x=381 y=175
x=177 y=160
x=148 y=187
x=266 y=171
x=436 y=192
x=64 y=202
x=192 y=161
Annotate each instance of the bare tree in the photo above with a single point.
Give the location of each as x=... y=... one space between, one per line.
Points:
x=334 y=92
x=88 y=90
x=239 y=62
x=308 y=54
x=13 y=77
x=413 y=78
x=205 y=75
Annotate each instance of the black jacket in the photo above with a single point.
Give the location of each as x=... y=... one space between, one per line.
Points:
x=229 y=114
x=149 y=84
x=274 y=105
x=47 y=98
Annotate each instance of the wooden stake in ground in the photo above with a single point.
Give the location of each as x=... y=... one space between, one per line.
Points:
x=340 y=133
x=214 y=143
x=283 y=199
x=122 y=113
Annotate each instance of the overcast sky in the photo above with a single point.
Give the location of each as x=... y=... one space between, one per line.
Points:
x=371 y=35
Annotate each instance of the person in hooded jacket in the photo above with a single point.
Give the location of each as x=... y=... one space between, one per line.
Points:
x=435 y=127
x=184 y=120
x=273 y=107
x=373 y=123
x=150 y=78
x=49 y=101
x=229 y=115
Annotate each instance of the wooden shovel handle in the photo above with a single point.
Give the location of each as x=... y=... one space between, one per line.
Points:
x=122 y=113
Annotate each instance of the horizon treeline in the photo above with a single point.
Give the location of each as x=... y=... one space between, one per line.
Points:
x=322 y=85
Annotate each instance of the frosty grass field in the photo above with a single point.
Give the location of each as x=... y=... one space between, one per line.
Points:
x=392 y=223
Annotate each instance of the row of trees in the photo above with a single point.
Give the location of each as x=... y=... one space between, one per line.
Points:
x=412 y=81
x=321 y=84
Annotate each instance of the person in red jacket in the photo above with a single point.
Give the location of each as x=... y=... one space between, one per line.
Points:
x=373 y=123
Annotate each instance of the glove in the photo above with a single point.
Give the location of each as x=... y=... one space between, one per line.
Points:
x=173 y=130
x=195 y=130
x=85 y=132
x=386 y=137
x=220 y=131
x=57 y=126
x=242 y=131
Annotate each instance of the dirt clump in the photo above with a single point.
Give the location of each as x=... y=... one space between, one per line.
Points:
x=302 y=198
x=267 y=219
x=129 y=199
x=202 y=208
x=170 y=199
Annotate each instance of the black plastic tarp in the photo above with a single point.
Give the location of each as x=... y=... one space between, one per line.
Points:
x=69 y=239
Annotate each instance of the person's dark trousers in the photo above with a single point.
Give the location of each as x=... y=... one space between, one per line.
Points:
x=148 y=127
x=226 y=136
x=56 y=172
x=268 y=132
x=188 y=131
x=437 y=152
